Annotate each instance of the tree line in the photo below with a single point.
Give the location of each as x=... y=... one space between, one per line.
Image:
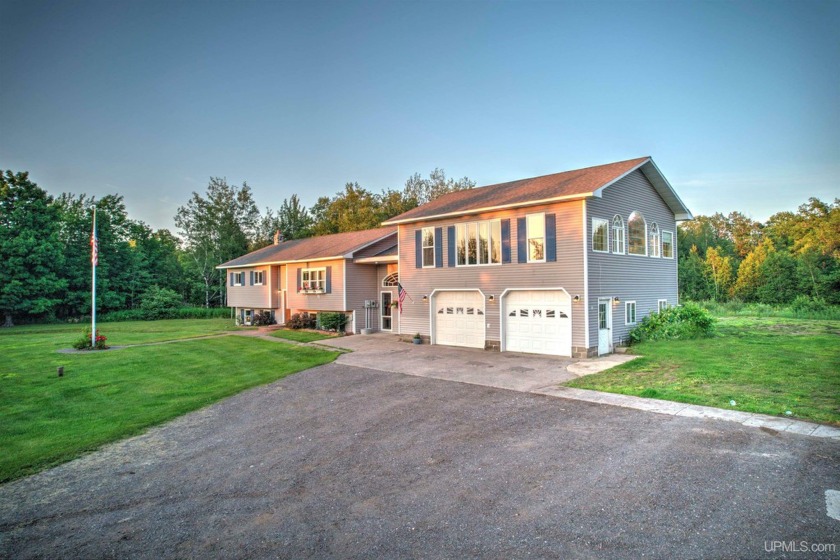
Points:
x=791 y=255
x=45 y=249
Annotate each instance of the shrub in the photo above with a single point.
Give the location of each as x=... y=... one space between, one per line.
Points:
x=160 y=303
x=806 y=304
x=262 y=318
x=333 y=321
x=301 y=321
x=682 y=322
x=85 y=344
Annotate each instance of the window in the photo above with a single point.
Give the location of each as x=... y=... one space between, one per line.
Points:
x=238 y=278
x=428 y=237
x=662 y=304
x=600 y=235
x=478 y=243
x=630 y=313
x=313 y=280
x=259 y=278
x=637 y=234
x=391 y=280
x=535 y=224
x=667 y=245
x=618 y=235
x=654 y=240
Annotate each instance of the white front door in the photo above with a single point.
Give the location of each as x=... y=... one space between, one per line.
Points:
x=459 y=319
x=604 y=326
x=538 y=321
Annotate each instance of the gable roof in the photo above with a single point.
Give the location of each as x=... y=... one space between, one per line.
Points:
x=569 y=185
x=323 y=247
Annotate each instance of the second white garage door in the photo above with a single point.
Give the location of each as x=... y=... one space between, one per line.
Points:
x=538 y=322
x=459 y=319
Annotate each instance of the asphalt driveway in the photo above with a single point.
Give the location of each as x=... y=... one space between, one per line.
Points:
x=347 y=462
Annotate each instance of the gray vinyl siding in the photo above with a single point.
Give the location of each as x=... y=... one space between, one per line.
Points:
x=566 y=272
x=247 y=296
x=644 y=280
x=361 y=285
x=333 y=301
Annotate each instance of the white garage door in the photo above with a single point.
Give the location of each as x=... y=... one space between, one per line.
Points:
x=538 y=322
x=459 y=319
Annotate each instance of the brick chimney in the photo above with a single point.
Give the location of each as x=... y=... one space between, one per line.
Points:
x=278 y=237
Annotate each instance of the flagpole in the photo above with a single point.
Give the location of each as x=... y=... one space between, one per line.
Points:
x=93 y=260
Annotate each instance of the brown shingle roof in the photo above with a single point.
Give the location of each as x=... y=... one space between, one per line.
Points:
x=322 y=247
x=569 y=184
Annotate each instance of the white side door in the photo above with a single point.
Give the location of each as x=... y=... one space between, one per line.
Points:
x=604 y=326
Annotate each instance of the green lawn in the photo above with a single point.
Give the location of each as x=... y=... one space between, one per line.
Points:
x=766 y=365
x=107 y=396
x=300 y=336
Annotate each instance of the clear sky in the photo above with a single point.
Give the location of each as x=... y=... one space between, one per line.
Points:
x=737 y=102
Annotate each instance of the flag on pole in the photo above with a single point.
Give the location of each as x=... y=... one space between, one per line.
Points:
x=94 y=245
x=401 y=293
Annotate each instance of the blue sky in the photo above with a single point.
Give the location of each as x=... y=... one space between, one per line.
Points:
x=737 y=102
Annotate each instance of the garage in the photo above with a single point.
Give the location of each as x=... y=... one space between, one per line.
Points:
x=538 y=322
x=459 y=318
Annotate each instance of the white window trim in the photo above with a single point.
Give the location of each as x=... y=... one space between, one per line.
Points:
x=238 y=278
x=478 y=236
x=645 y=254
x=623 y=235
x=528 y=239
x=659 y=306
x=627 y=316
x=260 y=282
x=673 y=248
x=655 y=243
x=313 y=290
x=609 y=231
x=423 y=247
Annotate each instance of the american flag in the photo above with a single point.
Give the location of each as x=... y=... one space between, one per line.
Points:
x=94 y=246
x=401 y=293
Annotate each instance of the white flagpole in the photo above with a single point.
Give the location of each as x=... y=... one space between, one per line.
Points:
x=93 y=284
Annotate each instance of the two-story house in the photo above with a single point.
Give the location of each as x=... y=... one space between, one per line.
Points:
x=564 y=264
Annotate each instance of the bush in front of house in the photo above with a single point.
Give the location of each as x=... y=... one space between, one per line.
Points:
x=262 y=318
x=160 y=303
x=333 y=321
x=681 y=322
x=301 y=321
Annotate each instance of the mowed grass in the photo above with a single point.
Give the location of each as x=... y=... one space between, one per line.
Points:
x=765 y=365
x=300 y=336
x=110 y=395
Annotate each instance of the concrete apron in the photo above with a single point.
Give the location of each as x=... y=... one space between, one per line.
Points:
x=531 y=373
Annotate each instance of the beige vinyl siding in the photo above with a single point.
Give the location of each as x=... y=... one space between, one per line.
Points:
x=642 y=279
x=494 y=279
x=361 y=285
x=334 y=301
x=248 y=296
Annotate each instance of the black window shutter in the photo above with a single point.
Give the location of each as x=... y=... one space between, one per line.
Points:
x=252 y=278
x=438 y=247
x=521 y=241
x=231 y=278
x=550 y=237
x=328 y=281
x=298 y=279
x=505 y=241
x=450 y=245
x=418 y=248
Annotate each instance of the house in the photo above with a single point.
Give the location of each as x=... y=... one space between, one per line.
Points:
x=330 y=273
x=564 y=264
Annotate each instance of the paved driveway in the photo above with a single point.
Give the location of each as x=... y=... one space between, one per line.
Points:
x=347 y=462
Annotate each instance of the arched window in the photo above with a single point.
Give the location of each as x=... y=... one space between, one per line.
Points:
x=618 y=235
x=391 y=280
x=636 y=234
x=654 y=240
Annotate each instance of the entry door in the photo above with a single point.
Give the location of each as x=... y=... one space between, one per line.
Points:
x=604 y=326
x=386 y=311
